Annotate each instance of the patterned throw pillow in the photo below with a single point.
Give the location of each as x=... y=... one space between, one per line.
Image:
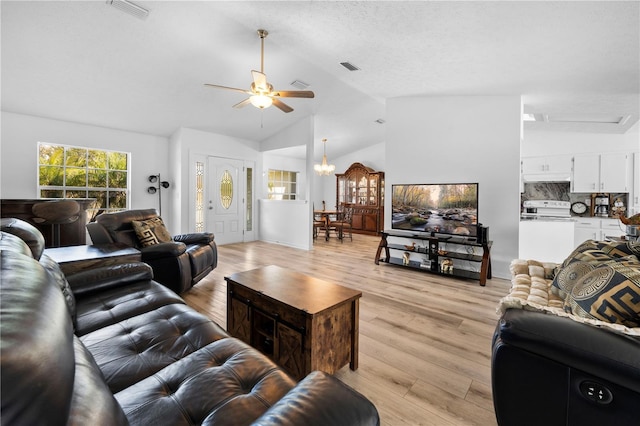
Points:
x=567 y=277
x=610 y=292
x=592 y=251
x=151 y=231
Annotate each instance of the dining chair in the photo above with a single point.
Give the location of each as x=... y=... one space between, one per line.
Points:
x=343 y=223
x=319 y=223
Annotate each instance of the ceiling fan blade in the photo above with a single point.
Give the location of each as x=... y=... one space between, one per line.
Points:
x=228 y=88
x=243 y=103
x=260 y=81
x=281 y=105
x=294 y=94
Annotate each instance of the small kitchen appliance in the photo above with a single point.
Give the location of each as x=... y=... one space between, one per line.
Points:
x=601 y=205
x=546 y=208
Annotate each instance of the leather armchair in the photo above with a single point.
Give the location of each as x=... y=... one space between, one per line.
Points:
x=178 y=264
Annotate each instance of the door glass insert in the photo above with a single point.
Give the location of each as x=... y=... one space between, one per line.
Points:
x=226 y=189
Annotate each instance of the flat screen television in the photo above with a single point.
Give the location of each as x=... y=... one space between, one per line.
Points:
x=450 y=208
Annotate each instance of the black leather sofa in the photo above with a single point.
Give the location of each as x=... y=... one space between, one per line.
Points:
x=110 y=346
x=550 y=367
x=178 y=264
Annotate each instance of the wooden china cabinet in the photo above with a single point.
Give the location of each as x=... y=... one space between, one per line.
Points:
x=362 y=188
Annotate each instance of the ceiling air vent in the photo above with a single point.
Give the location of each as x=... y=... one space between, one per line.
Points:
x=130 y=8
x=298 y=84
x=349 y=66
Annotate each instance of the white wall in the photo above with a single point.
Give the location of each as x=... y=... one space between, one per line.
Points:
x=19 y=156
x=290 y=232
x=461 y=139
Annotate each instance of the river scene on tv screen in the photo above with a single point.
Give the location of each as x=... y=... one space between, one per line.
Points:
x=439 y=208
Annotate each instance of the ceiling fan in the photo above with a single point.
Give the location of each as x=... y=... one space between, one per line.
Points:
x=261 y=94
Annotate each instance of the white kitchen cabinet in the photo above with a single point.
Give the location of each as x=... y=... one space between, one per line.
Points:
x=551 y=168
x=592 y=228
x=608 y=172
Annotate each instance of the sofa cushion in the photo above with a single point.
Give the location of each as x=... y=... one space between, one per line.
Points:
x=151 y=231
x=98 y=310
x=26 y=232
x=610 y=292
x=137 y=347
x=92 y=402
x=246 y=384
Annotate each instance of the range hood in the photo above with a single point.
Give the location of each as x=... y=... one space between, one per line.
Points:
x=546 y=177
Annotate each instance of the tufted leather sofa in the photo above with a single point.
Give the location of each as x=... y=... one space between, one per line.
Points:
x=178 y=264
x=110 y=346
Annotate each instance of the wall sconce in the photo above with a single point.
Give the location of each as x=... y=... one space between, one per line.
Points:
x=154 y=190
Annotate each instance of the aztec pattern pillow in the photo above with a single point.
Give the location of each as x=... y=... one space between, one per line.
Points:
x=610 y=292
x=597 y=251
x=151 y=231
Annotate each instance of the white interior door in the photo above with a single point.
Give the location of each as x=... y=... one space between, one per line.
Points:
x=225 y=204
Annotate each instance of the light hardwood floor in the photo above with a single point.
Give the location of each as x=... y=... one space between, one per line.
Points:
x=425 y=340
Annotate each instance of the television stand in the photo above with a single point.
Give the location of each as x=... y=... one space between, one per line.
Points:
x=444 y=255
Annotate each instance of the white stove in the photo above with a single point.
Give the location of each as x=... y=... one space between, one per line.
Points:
x=546 y=208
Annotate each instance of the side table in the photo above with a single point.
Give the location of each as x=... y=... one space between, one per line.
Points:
x=73 y=259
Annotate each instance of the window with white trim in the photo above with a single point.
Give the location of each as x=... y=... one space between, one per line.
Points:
x=282 y=185
x=66 y=171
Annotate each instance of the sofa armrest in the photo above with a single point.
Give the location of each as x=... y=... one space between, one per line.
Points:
x=321 y=399
x=596 y=350
x=102 y=278
x=158 y=251
x=195 y=238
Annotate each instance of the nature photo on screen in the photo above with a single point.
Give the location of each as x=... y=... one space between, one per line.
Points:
x=438 y=208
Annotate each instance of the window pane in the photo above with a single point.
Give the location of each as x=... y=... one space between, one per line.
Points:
x=97 y=159
x=51 y=176
x=51 y=193
x=117 y=161
x=76 y=157
x=249 y=198
x=117 y=179
x=117 y=199
x=226 y=189
x=76 y=194
x=101 y=198
x=76 y=176
x=97 y=178
x=51 y=154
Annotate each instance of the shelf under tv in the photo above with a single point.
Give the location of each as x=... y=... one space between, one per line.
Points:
x=437 y=249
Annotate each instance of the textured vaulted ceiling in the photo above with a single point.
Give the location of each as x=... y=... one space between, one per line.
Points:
x=87 y=62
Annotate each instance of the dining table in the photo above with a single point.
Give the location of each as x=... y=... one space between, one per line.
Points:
x=326 y=217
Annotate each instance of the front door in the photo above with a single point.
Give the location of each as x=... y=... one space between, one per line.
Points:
x=225 y=206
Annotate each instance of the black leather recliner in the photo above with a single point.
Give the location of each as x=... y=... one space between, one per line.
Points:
x=178 y=264
x=549 y=370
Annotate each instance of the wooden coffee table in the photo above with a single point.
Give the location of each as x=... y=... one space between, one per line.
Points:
x=74 y=259
x=302 y=323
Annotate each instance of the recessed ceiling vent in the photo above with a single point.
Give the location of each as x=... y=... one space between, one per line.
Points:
x=298 y=84
x=130 y=8
x=349 y=66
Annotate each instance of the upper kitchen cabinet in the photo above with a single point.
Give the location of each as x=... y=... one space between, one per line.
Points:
x=608 y=172
x=546 y=169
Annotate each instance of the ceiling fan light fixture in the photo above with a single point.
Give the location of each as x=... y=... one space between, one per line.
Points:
x=324 y=168
x=261 y=101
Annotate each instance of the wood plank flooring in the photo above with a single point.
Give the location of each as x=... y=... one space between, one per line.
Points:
x=425 y=340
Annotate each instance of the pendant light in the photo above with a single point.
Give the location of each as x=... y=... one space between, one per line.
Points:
x=324 y=168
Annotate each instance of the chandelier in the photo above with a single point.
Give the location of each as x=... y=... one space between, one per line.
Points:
x=324 y=168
